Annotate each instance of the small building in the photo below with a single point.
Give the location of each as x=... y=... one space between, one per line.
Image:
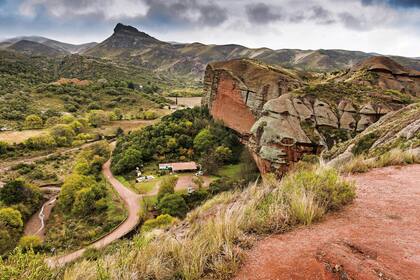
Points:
x=179 y=166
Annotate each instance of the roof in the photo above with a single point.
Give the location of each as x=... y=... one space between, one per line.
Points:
x=179 y=166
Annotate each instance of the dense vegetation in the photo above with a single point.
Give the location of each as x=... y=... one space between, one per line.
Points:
x=87 y=207
x=189 y=134
x=18 y=201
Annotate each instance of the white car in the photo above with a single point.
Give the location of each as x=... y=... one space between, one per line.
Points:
x=199 y=173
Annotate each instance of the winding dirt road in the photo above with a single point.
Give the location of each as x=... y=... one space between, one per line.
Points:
x=376 y=237
x=132 y=203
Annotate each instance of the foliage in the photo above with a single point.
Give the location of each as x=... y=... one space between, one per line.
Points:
x=167 y=186
x=33 y=122
x=187 y=134
x=62 y=134
x=365 y=143
x=30 y=242
x=174 y=205
x=25 y=265
x=161 y=221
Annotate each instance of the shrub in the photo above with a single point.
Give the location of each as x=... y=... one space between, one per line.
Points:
x=40 y=142
x=30 y=242
x=33 y=122
x=161 y=221
x=364 y=143
x=62 y=134
x=167 y=186
x=174 y=205
x=28 y=265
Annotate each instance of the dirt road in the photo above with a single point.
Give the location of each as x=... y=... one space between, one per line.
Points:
x=132 y=203
x=377 y=237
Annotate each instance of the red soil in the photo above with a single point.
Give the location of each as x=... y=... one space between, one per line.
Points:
x=377 y=237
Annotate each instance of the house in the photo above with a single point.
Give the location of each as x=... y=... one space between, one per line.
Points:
x=179 y=166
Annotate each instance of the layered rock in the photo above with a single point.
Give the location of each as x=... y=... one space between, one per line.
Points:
x=278 y=123
x=385 y=73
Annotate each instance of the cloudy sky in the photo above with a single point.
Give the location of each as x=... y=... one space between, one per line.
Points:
x=382 y=26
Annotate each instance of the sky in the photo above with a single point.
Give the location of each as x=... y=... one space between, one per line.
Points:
x=382 y=26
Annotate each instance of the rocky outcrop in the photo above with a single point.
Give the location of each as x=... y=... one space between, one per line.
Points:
x=385 y=73
x=277 y=123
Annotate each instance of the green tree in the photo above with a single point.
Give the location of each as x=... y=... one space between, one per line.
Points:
x=41 y=142
x=33 y=122
x=62 y=134
x=131 y=158
x=167 y=186
x=17 y=191
x=84 y=202
x=97 y=118
x=174 y=205
x=72 y=184
x=204 y=140
x=11 y=218
x=222 y=154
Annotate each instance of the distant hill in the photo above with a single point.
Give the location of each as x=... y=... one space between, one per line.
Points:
x=35 y=49
x=133 y=46
x=60 y=46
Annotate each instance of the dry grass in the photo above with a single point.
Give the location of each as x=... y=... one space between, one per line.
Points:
x=17 y=137
x=209 y=244
x=393 y=157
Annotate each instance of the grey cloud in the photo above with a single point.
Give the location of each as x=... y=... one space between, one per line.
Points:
x=180 y=11
x=352 y=22
x=261 y=13
x=322 y=15
x=394 y=3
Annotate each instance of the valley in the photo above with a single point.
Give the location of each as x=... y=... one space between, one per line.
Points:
x=136 y=158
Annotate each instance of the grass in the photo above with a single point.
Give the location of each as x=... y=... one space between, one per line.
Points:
x=211 y=241
x=17 y=137
x=230 y=171
x=395 y=156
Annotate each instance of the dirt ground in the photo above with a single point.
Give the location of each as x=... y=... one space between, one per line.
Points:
x=20 y=136
x=188 y=101
x=376 y=237
x=186 y=180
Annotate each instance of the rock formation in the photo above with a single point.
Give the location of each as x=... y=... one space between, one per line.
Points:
x=385 y=74
x=277 y=122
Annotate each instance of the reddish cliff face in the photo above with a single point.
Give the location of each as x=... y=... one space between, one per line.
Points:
x=229 y=107
x=278 y=123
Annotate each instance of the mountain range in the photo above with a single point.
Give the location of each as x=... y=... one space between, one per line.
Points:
x=130 y=46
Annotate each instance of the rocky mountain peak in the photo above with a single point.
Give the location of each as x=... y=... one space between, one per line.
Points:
x=125 y=28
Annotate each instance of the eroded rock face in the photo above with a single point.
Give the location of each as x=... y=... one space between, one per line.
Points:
x=388 y=74
x=277 y=125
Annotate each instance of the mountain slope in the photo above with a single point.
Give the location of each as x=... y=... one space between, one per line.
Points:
x=133 y=46
x=35 y=49
x=60 y=46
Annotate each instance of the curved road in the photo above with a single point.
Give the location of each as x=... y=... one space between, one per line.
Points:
x=132 y=203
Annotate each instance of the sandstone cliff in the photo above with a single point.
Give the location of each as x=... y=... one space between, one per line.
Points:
x=281 y=118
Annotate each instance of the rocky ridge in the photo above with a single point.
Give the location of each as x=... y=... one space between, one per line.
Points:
x=278 y=121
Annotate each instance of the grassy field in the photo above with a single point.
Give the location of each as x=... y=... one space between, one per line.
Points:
x=230 y=171
x=20 y=136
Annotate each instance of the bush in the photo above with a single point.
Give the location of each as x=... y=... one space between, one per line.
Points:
x=161 y=221
x=62 y=134
x=174 y=205
x=41 y=142
x=28 y=265
x=33 y=122
x=364 y=143
x=30 y=242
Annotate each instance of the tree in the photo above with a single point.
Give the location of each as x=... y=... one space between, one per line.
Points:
x=84 y=202
x=72 y=184
x=198 y=181
x=167 y=186
x=131 y=158
x=40 y=142
x=17 y=191
x=33 y=122
x=11 y=218
x=62 y=134
x=204 y=140
x=174 y=205
x=97 y=118
x=222 y=154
